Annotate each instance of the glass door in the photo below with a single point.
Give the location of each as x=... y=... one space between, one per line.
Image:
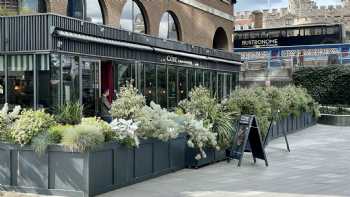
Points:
x=90 y=86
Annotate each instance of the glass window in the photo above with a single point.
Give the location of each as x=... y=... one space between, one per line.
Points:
x=207 y=79
x=199 y=77
x=86 y=10
x=32 y=6
x=172 y=81
x=132 y=18
x=214 y=83
x=20 y=81
x=162 y=85
x=70 y=76
x=150 y=83
x=191 y=79
x=2 y=80
x=124 y=74
x=228 y=84
x=168 y=28
x=182 y=83
x=234 y=81
x=76 y=9
x=94 y=12
x=48 y=81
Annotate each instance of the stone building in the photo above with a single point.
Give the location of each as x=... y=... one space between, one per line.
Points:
x=299 y=12
x=206 y=23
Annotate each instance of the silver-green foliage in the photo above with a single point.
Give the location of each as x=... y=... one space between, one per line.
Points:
x=158 y=123
x=7 y=120
x=29 y=124
x=103 y=126
x=82 y=138
x=128 y=103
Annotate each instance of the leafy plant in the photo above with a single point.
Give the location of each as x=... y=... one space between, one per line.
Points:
x=205 y=107
x=200 y=136
x=103 y=126
x=7 y=120
x=82 y=138
x=69 y=113
x=158 y=123
x=29 y=124
x=125 y=132
x=128 y=104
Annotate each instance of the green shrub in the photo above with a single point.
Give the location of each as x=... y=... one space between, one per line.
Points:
x=69 y=113
x=103 y=126
x=82 y=138
x=7 y=120
x=128 y=103
x=328 y=85
x=205 y=107
x=30 y=124
x=55 y=133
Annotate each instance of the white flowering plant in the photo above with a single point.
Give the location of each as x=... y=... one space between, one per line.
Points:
x=7 y=120
x=159 y=123
x=200 y=136
x=125 y=132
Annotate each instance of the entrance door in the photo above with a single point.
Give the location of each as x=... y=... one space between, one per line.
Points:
x=90 y=86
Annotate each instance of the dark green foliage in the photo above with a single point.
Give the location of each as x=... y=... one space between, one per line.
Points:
x=329 y=85
x=69 y=113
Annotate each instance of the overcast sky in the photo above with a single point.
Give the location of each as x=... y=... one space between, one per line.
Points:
x=243 y=5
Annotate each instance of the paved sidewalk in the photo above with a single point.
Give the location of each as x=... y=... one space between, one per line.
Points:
x=319 y=165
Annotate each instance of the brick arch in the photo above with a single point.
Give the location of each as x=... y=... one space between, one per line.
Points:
x=220 y=39
x=177 y=23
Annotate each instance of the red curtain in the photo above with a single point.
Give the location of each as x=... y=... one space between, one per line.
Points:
x=107 y=79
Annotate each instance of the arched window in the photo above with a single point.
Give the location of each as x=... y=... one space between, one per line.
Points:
x=89 y=10
x=31 y=6
x=220 y=40
x=132 y=17
x=168 y=27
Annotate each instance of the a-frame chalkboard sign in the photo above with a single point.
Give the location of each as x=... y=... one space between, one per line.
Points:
x=247 y=139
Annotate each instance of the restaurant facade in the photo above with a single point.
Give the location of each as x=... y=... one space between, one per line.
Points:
x=47 y=60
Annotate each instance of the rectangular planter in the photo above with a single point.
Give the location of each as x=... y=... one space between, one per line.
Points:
x=213 y=156
x=111 y=166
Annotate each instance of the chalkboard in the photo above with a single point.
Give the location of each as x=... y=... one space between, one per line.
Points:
x=247 y=139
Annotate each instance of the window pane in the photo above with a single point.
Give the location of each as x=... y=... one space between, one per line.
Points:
x=48 y=82
x=172 y=76
x=199 y=77
x=214 y=83
x=150 y=83
x=20 y=80
x=124 y=75
x=94 y=12
x=76 y=9
x=138 y=20
x=162 y=86
x=234 y=81
x=182 y=83
x=207 y=79
x=167 y=27
x=32 y=6
x=2 y=80
x=228 y=84
x=70 y=75
x=132 y=18
x=191 y=79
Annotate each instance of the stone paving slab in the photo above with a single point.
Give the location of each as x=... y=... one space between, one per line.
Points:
x=317 y=166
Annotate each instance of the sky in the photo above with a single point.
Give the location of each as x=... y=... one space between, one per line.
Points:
x=243 y=5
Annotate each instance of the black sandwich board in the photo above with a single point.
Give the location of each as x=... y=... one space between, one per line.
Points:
x=247 y=139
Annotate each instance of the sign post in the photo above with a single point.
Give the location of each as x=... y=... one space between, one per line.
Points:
x=247 y=139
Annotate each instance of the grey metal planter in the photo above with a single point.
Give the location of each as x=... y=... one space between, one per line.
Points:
x=111 y=166
x=213 y=156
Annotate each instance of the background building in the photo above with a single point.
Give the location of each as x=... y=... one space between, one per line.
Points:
x=207 y=23
x=300 y=12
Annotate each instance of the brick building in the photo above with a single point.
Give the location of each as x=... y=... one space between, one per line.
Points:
x=206 y=23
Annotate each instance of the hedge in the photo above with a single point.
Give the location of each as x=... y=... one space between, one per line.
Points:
x=329 y=85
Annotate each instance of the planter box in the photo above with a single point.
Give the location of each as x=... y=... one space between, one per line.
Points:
x=213 y=156
x=290 y=125
x=111 y=166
